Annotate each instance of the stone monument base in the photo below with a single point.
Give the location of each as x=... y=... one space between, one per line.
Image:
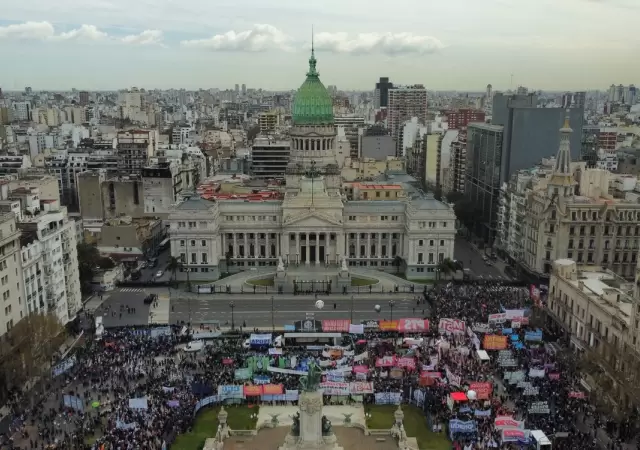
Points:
x=294 y=443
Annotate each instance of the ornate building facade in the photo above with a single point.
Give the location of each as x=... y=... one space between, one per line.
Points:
x=314 y=223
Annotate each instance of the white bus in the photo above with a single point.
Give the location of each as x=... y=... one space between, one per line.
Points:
x=540 y=440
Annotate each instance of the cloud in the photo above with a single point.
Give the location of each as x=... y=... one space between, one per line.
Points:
x=147 y=37
x=260 y=38
x=386 y=43
x=27 y=31
x=84 y=33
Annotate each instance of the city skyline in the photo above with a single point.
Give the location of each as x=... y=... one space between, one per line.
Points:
x=206 y=45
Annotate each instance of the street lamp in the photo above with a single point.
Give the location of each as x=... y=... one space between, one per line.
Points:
x=184 y=263
x=233 y=323
x=273 y=324
x=391 y=305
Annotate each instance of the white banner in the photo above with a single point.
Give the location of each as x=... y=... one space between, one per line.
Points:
x=356 y=329
x=361 y=357
x=451 y=326
x=536 y=373
x=334 y=388
x=388 y=398
x=361 y=387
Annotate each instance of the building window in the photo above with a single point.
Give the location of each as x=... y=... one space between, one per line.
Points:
x=193 y=243
x=182 y=243
x=204 y=258
x=204 y=243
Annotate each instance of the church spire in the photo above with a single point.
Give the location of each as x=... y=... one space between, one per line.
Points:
x=312 y=60
x=563 y=158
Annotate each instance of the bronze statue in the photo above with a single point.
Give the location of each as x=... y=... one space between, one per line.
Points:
x=326 y=426
x=311 y=381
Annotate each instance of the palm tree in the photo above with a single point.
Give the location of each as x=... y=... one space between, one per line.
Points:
x=173 y=266
x=446 y=267
x=397 y=263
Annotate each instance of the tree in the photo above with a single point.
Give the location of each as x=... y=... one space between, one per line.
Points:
x=252 y=133
x=27 y=355
x=173 y=266
x=446 y=266
x=397 y=263
x=88 y=260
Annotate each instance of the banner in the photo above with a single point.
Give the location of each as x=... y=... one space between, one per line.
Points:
x=361 y=387
x=454 y=380
x=260 y=339
x=576 y=394
x=205 y=402
x=64 y=366
x=120 y=425
x=370 y=324
x=356 y=329
x=252 y=391
x=554 y=376
x=515 y=313
x=409 y=363
x=460 y=426
x=386 y=361
x=479 y=327
x=242 y=374
x=226 y=391
x=388 y=398
x=388 y=325
x=497 y=318
x=413 y=325
x=158 y=332
x=514 y=435
x=336 y=326
x=361 y=357
x=308 y=325
x=536 y=373
x=502 y=422
x=275 y=351
x=482 y=412
x=429 y=374
x=73 y=402
x=291 y=395
x=334 y=388
x=451 y=326
x=494 y=342
x=227 y=361
x=541 y=407
x=261 y=379
x=483 y=389
x=360 y=369
x=272 y=389
x=138 y=403
x=533 y=336
x=200 y=335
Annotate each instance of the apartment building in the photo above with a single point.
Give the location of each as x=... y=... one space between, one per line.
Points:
x=134 y=147
x=458 y=163
x=404 y=103
x=12 y=303
x=597 y=311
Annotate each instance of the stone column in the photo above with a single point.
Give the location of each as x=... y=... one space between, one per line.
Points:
x=310 y=419
x=318 y=248
x=235 y=245
x=246 y=245
x=379 y=246
x=298 y=248
x=256 y=250
x=267 y=247
x=308 y=255
x=368 y=246
x=358 y=245
x=390 y=247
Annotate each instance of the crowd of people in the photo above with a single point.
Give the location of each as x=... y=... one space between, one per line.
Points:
x=133 y=389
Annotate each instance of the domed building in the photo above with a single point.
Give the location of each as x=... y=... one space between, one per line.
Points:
x=313 y=136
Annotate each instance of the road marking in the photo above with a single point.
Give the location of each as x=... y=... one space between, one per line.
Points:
x=130 y=290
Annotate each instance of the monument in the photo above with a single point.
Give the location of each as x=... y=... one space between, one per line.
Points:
x=310 y=429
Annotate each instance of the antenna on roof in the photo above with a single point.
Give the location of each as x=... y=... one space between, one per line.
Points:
x=312 y=49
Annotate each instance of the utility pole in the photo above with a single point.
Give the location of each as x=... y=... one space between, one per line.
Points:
x=391 y=305
x=233 y=323
x=273 y=324
x=352 y=309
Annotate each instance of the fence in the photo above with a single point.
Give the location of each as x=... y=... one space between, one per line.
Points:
x=287 y=290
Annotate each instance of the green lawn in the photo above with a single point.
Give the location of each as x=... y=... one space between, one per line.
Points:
x=261 y=282
x=415 y=425
x=355 y=281
x=206 y=425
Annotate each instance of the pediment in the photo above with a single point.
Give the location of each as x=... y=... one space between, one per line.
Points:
x=311 y=219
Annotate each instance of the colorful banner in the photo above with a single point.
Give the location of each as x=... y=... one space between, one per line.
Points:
x=334 y=388
x=227 y=361
x=336 y=326
x=252 y=391
x=409 y=363
x=494 y=342
x=576 y=394
x=497 y=318
x=261 y=379
x=514 y=435
x=242 y=374
x=356 y=329
x=451 y=326
x=388 y=398
x=361 y=387
x=502 y=422
x=428 y=374
x=554 y=376
x=535 y=336
x=386 y=361
x=360 y=369
x=460 y=426
x=413 y=325
x=483 y=389
x=536 y=373
x=226 y=391
x=260 y=339
x=272 y=389
x=388 y=325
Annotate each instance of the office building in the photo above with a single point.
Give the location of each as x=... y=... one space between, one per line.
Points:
x=381 y=93
x=462 y=117
x=269 y=157
x=405 y=103
x=83 y=98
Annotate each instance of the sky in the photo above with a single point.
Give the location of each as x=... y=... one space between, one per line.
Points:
x=445 y=45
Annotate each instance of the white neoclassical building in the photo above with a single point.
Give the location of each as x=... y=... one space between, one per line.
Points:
x=313 y=223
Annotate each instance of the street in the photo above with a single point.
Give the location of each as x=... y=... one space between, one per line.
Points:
x=255 y=311
x=471 y=258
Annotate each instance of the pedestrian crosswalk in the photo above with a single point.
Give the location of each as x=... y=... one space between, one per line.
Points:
x=130 y=290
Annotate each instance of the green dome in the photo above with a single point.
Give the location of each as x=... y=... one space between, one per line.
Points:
x=312 y=105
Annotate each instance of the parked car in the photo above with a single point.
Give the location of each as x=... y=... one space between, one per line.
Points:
x=159 y=273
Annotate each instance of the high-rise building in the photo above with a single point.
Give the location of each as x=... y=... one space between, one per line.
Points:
x=244 y=89
x=134 y=147
x=237 y=89
x=404 y=103
x=381 y=94
x=462 y=117
x=83 y=98
x=22 y=111
x=269 y=157
x=12 y=310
